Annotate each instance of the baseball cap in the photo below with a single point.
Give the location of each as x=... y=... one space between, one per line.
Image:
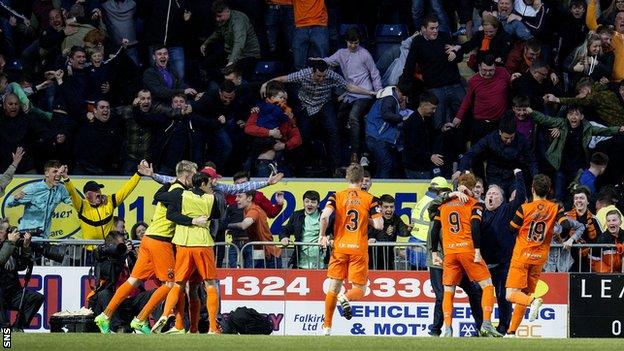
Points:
x=92 y=186
x=211 y=172
x=440 y=183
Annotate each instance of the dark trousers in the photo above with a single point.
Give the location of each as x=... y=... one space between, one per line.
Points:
x=328 y=123
x=499 y=278
x=11 y=300
x=353 y=112
x=474 y=298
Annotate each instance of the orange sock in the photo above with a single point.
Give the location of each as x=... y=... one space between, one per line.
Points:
x=516 y=317
x=157 y=297
x=179 y=323
x=212 y=302
x=487 y=302
x=330 y=306
x=447 y=308
x=520 y=298
x=355 y=293
x=123 y=291
x=194 y=307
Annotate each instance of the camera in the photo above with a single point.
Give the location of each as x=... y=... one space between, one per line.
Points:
x=111 y=251
x=52 y=252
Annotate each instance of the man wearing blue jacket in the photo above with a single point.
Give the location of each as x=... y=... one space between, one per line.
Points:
x=41 y=198
x=497 y=241
x=383 y=128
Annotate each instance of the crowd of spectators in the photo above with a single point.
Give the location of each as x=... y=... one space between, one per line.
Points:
x=307 y=87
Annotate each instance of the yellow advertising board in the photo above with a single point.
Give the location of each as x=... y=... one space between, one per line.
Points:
x=139 y=205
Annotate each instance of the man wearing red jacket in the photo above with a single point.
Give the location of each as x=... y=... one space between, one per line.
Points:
x=235 y=215
x=287 y=136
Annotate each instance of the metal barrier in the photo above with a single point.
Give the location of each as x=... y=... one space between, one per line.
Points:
x=602 y=258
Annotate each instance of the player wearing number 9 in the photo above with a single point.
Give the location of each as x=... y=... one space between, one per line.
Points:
x=460 y=223
x=535 y=223
x=349 y=258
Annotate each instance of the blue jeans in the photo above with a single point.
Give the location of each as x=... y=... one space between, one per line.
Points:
x=418 y=13
x=276 y=18
x=450 y=98
x=385 y=156
x=233 y=255
x=354 y=112
x=224 y=145
x=176 y=59
x=308 y=42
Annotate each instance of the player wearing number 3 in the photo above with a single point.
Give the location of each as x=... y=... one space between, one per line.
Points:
x=349 y=257
x=459 y=220
x=535 y=223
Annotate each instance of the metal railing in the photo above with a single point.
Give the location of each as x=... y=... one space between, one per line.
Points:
x=602 y=258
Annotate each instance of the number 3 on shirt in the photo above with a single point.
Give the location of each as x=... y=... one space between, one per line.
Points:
x=537 y=231
x=353 y=220
x=454 y=223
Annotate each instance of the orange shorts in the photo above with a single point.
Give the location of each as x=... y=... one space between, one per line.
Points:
x=523 y=276
x=456 y=264
x=354 y=267
x=155 y=258
x=198 y=259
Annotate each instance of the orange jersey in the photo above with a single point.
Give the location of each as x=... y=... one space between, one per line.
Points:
x=535 y=223
x=353 y=208
x=455 y=218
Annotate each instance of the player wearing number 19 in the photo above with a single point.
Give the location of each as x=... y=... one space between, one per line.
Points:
x=535 y=223
x=349 y=257
x=460 y=222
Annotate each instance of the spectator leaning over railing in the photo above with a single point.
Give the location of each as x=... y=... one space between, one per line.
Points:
x=41 y=198
x=393 y=227
x=609 y=260
x=7 y=176
x=583 y=215
x=304 y=226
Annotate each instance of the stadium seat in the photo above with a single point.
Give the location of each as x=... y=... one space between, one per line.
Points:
x=387 y=36
x=266 y=70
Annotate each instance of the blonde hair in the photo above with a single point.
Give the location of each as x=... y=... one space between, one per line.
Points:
x=355 y=173
x=492 y=21
x=582 y=51
x=183 y=167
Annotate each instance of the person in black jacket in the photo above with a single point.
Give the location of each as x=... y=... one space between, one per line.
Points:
x=304 y=226
x=163 y=81
x=393 y=227
x=534 y=84
x=492 y=40
x=419 y=154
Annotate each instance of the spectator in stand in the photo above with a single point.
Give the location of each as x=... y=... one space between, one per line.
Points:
x=224 y=114
x=393 y=227
x=439 y=70
x=523 y=55
x=161 y=80
x=534 y=15
x=273 y=130
x=486 y=98
x=51 y=39
x=41 y=198
x=239 y=41
x=491 y=40
x=257 y=228
x=607 y=104
x=279 y=17
x=247 y=93
x=588 y=60
x=71 y=87
x=138 y=136
x=569 y=151
x=311 y=37
x=304 y=226
x=609 y=13
x=98 y=142
x=7 y=176
x=581 y=213
x=315 y=87
x=437 y=7
x=21 y=129
x=597 y=167
x=605 y=203
x=138 y=230
x=383 y=129
x=610 y=259
x=165 y=23
x=119 y=16
x=75 y=31
x=570 y=31
x=505 y=150
x=358 y=68
x=524 y=124
x=534 y=84
x=617 y=42
x=420 y=155
x=511 y=22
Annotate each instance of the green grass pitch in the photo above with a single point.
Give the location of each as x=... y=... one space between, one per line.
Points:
x=130 y=342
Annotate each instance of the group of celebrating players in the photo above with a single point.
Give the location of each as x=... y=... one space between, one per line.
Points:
x=186 y=207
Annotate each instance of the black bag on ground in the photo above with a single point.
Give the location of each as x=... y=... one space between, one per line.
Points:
x=245 y=320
